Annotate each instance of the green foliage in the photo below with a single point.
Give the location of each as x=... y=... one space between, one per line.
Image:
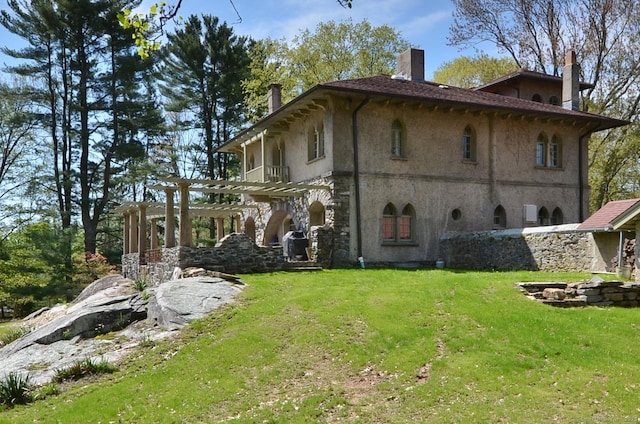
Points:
x=83 y=368
x=140 y=284
x=45 y=391
x=468 y=72
x=89 y=267
x=14 y=333
x=333 y=51
x=15 y=389
x=383 y=346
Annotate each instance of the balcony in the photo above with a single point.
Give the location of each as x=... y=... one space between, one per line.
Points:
x=275 y=174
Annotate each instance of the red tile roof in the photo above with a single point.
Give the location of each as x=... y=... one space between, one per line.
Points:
x=603 y=218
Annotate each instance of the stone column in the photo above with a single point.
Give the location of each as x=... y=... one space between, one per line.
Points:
x=133 y=231
x=125 y=234
x=142 y=233
x=238 y=224
x=185 y=220
x=170 y=219
x=219 y=228
x=153 y=232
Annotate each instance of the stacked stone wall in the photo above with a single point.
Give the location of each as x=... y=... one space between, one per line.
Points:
x=592 y=293
x=541 y=249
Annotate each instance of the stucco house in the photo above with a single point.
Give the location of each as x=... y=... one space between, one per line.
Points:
x=399 y=161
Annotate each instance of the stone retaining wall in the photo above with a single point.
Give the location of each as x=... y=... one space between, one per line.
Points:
x=593 y=293
x=560 y=248
x=234 y=254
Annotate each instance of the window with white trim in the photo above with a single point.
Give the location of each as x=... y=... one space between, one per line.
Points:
x=469 y=144
x=316 y=142
x=397 y=140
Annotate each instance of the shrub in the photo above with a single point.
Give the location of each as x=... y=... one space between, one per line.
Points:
x=43 y=392
x=140 y=284
x=83 y=368
x=15 y=389
x=13 y=334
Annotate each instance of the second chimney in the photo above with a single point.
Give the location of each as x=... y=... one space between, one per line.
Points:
x=571 y=82
x=275 y=97
x=411 y=64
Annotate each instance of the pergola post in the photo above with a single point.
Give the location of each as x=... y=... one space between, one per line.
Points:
x=219 y=228
x=238 y=224
x=185 y=220
x=125 y=234
x=142 y=233
x=154 y=234
x=133 y=233
x=170 y=219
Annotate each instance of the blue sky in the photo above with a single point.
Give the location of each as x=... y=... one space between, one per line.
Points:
x=424 y=23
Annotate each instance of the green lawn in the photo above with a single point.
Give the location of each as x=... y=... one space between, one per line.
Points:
x=375 y=346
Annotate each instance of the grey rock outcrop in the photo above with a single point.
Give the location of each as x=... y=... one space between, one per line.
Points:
x=65 y=334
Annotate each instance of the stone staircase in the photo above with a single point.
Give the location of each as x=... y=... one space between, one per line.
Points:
x=301 y=266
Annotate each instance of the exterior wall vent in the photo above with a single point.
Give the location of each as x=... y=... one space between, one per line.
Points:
x=530 y=214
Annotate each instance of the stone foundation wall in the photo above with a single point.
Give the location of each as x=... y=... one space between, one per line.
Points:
x=542 y=248
x=234 y=254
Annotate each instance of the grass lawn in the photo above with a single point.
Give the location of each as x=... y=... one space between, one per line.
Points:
x=375 y=346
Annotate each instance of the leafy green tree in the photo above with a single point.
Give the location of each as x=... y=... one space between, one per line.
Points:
x=468 y=72
x=536 y=34
x=89 y=96
x=204 y=66
x=333 y=51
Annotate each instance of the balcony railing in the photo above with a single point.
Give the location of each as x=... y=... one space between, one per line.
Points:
x=273 y=174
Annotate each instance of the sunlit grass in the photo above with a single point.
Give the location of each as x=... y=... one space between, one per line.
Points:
x=383 y=346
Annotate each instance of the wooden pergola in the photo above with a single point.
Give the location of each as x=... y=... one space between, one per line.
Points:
x=136 y=214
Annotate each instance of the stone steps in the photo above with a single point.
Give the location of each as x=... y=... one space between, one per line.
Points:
x=301 y=266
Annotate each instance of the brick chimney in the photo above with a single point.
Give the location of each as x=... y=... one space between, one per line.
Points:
x=411 y=65
x=571 y=82
x=275 y=97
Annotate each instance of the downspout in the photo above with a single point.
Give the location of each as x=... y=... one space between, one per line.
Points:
x=356 y=179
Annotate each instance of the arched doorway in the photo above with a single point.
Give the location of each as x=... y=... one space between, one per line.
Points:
x=278 y=225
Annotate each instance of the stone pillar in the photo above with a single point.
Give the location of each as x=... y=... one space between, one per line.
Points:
x=125 y=234
x=170 y=219
x=219 y=228
x=153 y=232
x=133 y=231
x=142 y=233
x=185 y=220
x=238 y=224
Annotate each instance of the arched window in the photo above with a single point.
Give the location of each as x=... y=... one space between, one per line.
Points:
x=536 y=98
x=398 y=228
x=557 y=218
x=499 y=217
x=316 y=142
x=541 y=150
x=543 y=216
x=469 y=144
x=397 y=139
x=553 y=100
x=389 y=223
x=405 y=223
x=316 y=214
x=555 y=152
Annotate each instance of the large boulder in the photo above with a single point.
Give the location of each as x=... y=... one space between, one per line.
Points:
x=175 y=303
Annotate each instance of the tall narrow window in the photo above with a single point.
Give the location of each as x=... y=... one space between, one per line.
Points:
x=499 y=217
x=469 y=144
x=541 y=150
x=397 y=139
x=389 y=223
x=316 y=142
x=555 y=152
x=557 y=217
x=543 y=216
x=405 y=223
